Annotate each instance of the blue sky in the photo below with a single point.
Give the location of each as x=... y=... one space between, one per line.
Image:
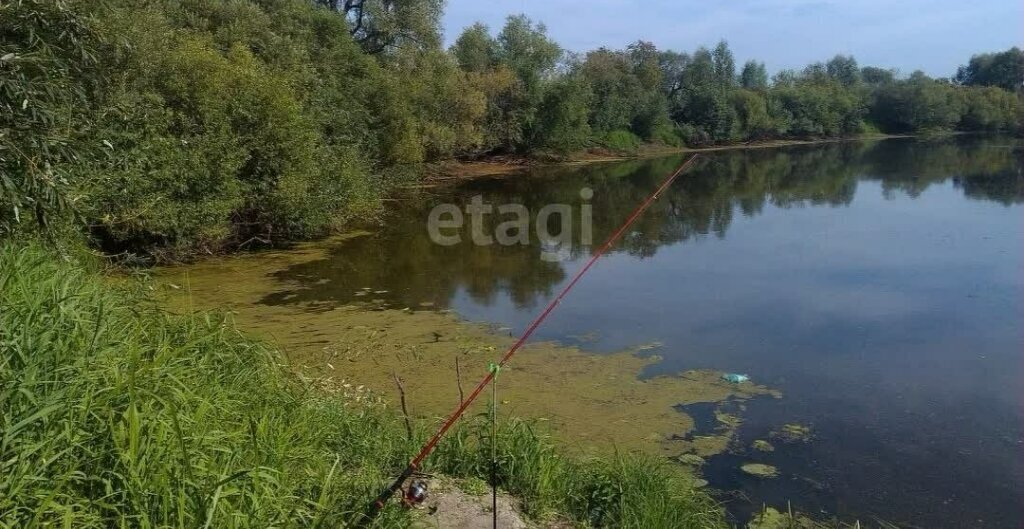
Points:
x=932 y=35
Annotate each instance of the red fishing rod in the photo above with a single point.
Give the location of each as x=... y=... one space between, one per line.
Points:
x=381 y=500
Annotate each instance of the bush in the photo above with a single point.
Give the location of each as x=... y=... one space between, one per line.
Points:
x=666 y=134
x=47 y=59
x=621 y=141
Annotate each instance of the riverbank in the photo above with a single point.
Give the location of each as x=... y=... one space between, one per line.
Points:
x=119 y=413
x=185 y=422
x=454 y=170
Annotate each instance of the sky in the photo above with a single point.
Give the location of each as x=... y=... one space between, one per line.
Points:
x=931 y=35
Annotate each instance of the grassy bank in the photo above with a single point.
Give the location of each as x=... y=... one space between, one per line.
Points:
x=117 y=413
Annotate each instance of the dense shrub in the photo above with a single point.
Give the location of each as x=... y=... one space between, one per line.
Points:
x=621 y=141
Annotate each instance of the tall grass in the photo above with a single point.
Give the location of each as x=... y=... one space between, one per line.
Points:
x=617 y=491
x=115 y=413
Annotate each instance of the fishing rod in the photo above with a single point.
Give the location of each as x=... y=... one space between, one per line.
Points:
x=381 y=500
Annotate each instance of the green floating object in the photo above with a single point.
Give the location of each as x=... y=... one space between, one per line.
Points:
x=735 y=378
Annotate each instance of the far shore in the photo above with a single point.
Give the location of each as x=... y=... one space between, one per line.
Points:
x=456 y=170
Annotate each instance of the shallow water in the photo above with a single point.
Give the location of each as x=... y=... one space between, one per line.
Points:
x=877 y=285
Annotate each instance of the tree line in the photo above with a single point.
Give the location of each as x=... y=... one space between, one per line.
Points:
x=186 y=125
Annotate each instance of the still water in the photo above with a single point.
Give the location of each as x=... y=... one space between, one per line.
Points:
x=877 y=285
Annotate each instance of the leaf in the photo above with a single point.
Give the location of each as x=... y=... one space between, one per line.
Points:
x=108 y=144
x=7 y=57
x=40 y=414
x=24 y=104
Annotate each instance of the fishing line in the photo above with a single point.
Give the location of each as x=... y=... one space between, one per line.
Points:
x=378 y=504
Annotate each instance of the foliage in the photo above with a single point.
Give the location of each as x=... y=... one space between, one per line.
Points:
x=754 y=76
x=172 y=126
x=843 y=69
x=562 y=119
x=621 y=141
x=47 y=52
x=988 y=108
x=475 y=49
x=1005 y=70
x=918 y=104
x=382 y=26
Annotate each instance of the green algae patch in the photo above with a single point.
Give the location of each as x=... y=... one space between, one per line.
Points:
x=590 y=401
x=762 y=446
x=793 y=433
x=691 y=459
x=730 y=420
x=760 y=470
x=770 y=518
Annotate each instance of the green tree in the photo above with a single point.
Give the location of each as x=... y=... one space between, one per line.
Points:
x=754 y=76
x=563 y=118
x=1004 y=69
x=875 y=76
x=525 y=49
x=672 y=65
x=843 y=69
x=752 y=112
x=383 y=25
x=614 y=87
x=475 y=49
x=47 y=61
x=725 y=65
x=989 y=108
x=650 y=120
x=917 y=104
x=701 y=105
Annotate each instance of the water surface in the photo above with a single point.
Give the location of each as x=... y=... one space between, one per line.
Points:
x=878 y=285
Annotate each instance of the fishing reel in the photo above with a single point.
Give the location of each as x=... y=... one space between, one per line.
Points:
x=415 y=494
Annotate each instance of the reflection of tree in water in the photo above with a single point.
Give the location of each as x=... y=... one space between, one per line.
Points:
x=1006 y=187
x=705 y=200
x=401 y=259
x=989 y=168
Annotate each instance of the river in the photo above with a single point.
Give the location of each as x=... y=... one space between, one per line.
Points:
x=876 y=285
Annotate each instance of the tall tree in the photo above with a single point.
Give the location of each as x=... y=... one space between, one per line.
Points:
x=754 y=76
x=873 y=75
x=1005 y=70
x=672 y=65
x=380 y=25
x=843 y=69
x=725 y=65
x=615 y=89
x=525 y=49
x=644 y=58
x=475 y=49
